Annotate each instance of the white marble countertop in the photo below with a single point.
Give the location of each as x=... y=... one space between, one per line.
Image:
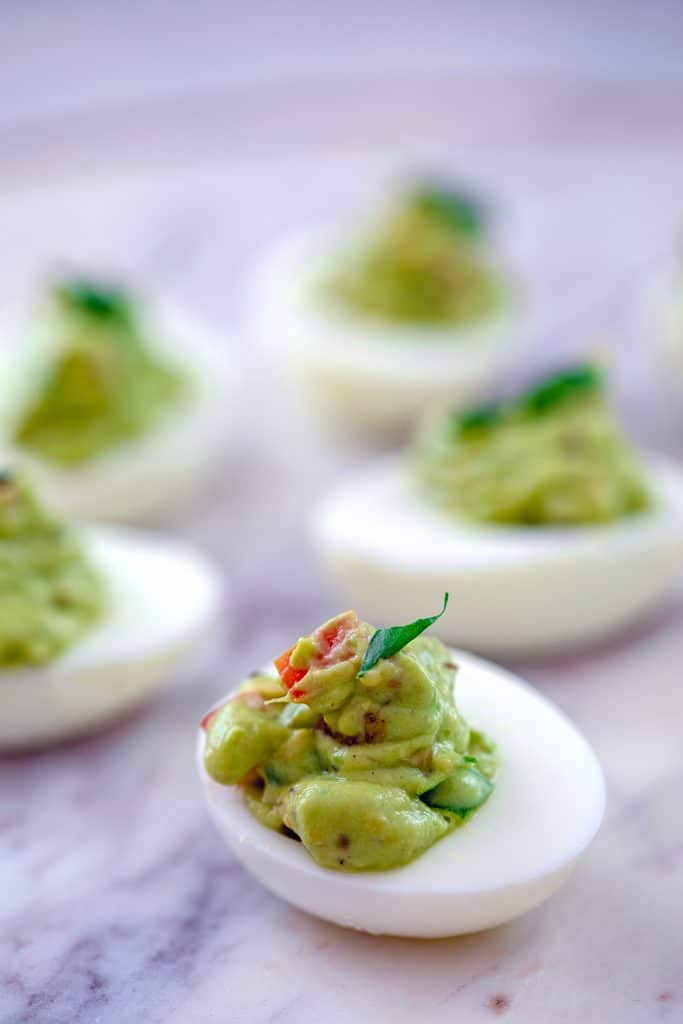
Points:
x=119 y=902
x=209 y=46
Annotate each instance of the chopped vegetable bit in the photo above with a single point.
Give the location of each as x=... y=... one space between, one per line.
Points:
x=209 y=717
x=322 y=648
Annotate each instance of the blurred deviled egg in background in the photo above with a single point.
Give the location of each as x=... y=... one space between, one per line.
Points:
x=119 y=412
x=534 y=512
x=92 y=620
x=377 y=324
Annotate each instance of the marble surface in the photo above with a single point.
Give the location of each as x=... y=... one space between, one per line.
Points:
x=118 y=900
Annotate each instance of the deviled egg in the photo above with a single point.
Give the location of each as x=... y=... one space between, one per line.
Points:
x=118 y=413
x=353 y=786
x=418 y=308
x=534 y=512
x=92 y=621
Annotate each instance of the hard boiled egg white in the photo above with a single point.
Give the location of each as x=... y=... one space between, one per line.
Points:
x=160 y=474
x=163 y=599
x=363 y=372
x=509 y=857
x=660 y=315
x=512 y=589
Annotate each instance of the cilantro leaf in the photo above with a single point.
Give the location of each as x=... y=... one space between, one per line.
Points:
x=93 y=299
x=459 y=211
x=384 y=643
x=553 y=390
x=543 y=397
x=480 y=418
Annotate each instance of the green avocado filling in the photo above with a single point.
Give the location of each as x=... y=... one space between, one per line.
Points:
x=554 y=456
x=424 y=262
x=49 y=592
x=101 y=385
x=368 y=768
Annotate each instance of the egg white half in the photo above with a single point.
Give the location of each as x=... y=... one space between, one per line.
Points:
x=162 y=602
x=660 y=314
x=509 y=857
x=363 y=372
x=159 y=475
x=512 y=589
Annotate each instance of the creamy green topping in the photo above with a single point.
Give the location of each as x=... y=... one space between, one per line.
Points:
x=49 y=592
x=424 y=261
x=553 y=456
x=366 y=768
x=101 y=385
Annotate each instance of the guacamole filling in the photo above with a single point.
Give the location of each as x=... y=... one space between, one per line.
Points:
x=424 y=262
x=554 y=456
x=101 y=385
x=49 y=592
x=364 y=759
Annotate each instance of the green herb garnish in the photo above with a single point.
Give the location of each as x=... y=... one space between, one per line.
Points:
x=458 y=210
x=556 y=389
x=538 y=400
x=472 y=421
x=384 y=643
x=96 y=300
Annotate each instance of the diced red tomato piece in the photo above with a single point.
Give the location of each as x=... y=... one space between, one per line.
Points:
x=328 y=640
x=250 y=778
x=333 y=636
x=209 y=717
x=288 y=674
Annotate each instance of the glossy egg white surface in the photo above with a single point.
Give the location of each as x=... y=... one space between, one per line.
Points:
x=159 y=475
x=362 y=372
x=512 y=589
x=660 y=316
x=508 y=858
x=163 y=599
